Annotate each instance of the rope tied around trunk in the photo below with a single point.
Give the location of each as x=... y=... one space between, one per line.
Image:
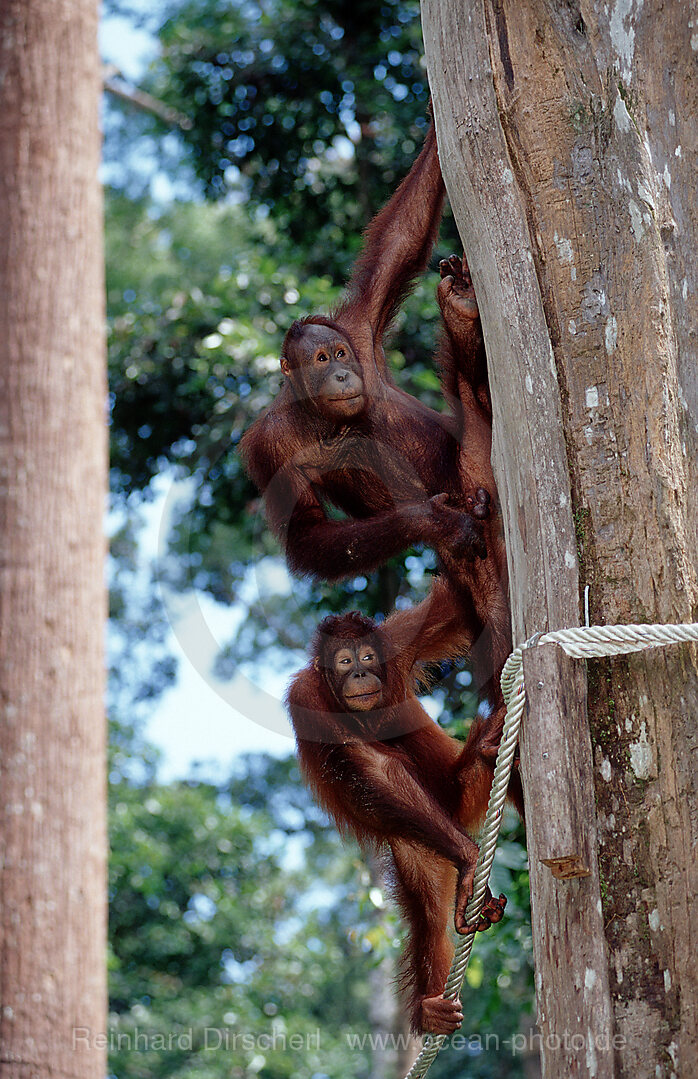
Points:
x=587 y=642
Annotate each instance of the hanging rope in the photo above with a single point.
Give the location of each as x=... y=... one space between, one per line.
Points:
x=584 y=643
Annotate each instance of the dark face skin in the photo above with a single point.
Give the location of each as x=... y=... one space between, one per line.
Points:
x=324 y=367
x=355 y=672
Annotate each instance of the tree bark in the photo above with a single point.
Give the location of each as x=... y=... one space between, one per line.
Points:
x=52 y=597
x=569 y=148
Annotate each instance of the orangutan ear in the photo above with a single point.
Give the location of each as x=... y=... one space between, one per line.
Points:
x=285 y=366
x=316 y=665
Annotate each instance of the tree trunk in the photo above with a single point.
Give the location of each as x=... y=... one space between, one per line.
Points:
x=569 y=146
x=52 y=599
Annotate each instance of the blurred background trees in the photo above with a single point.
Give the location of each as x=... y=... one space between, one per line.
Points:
x=233 y=904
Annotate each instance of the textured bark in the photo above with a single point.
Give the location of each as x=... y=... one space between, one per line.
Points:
x=52 y=484
x=569 y=146
x=557 y=763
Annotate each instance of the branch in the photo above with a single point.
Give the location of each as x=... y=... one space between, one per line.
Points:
x=115 y=84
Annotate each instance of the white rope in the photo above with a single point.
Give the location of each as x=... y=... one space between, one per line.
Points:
x=583 y=643
x=590 y=641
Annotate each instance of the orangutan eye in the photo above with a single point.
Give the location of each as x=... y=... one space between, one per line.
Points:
x=340 y=353
x=322 y=357
x=369 y=657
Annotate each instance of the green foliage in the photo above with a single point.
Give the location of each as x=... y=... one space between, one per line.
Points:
x=213 y=935
x=316 y=110
x=198 y=307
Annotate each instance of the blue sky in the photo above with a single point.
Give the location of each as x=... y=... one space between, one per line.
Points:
x=201 y=718
x=125 y=45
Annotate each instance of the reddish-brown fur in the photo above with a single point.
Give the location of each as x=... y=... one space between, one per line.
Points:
x=385 y=466
x=395 y=779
